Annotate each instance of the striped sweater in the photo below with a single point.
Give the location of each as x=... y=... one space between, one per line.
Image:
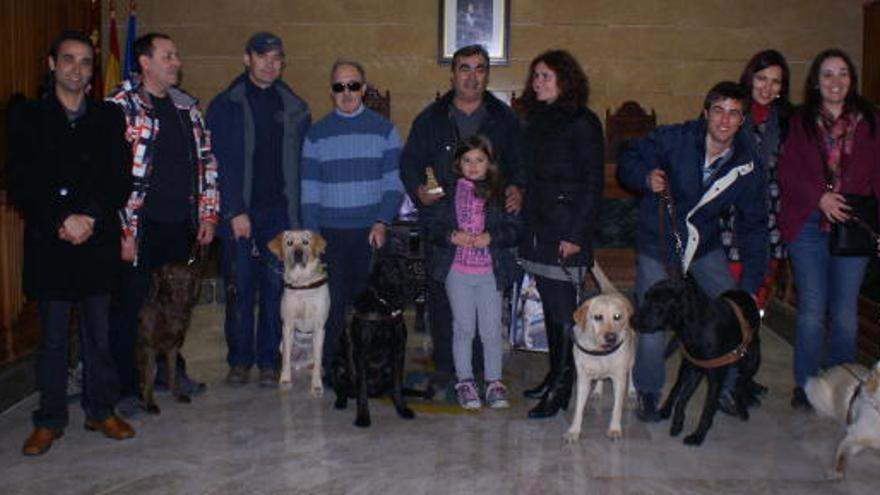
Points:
x=350 y=171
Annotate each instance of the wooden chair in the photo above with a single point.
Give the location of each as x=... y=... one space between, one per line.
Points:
x=375 y=101
x=628 y=122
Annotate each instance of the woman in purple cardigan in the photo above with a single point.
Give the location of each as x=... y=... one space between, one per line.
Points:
x=832 y=147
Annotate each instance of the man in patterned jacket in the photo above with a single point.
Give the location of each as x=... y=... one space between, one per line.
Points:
x=174 y=202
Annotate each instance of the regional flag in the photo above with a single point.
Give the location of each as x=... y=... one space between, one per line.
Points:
x=112 y=72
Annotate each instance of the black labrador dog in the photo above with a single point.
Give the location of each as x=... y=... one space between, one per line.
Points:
x=373 y=348
x=711 y=334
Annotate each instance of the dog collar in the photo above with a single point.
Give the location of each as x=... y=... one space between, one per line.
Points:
x=604 y=352
x=316 y=283
x=733 y=356
x=377 y=317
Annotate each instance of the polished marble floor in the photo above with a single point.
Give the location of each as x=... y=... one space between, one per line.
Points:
x=254 y=441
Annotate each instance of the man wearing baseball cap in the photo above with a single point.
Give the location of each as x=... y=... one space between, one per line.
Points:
x=257 y=126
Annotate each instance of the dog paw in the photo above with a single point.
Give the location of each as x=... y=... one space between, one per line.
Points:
x=675 y=429
x=694 y=439
x=340 y=404
x=614 y=435
x=406 y=413
x=152 y=409
x=183 y=398
x=571 y=437
x=362 y=422
x=316 y=391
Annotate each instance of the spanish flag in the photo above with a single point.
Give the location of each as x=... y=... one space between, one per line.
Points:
x=111 y=73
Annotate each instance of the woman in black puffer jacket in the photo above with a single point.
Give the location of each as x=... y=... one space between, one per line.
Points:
x=563 y=155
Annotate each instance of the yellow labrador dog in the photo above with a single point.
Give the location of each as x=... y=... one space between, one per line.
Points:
x=850 y=394
x=305 y=303
x=604 y=347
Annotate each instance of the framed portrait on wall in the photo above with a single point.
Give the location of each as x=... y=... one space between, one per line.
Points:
x=475 y=22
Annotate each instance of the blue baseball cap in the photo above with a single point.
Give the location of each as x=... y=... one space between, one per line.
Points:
x=263 y=42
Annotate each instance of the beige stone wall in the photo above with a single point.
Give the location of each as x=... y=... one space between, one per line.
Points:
x=664 y=54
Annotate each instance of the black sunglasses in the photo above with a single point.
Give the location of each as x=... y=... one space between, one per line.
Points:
x=352 y=86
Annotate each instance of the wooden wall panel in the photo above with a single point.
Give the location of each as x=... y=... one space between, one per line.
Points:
x=871 y=53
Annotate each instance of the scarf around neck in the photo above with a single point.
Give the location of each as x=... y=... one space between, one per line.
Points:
x=837 y=136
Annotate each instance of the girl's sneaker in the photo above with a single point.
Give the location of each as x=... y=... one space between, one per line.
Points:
x=468 y=397
x=496 y=395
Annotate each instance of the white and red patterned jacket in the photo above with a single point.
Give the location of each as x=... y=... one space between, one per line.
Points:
x=141 y=131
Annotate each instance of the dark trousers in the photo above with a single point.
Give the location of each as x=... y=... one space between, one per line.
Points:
x=160 y=243
x=348 y=264
x=252 y=273
x=559 y=300
x=100 y=387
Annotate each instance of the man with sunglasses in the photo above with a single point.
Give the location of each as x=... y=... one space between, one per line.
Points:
x=350 y=189
x=257 y=126
x=704 y=166
x=467 y=109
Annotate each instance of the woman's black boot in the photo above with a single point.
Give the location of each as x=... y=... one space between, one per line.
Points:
x=553 y=347
x=558 y=394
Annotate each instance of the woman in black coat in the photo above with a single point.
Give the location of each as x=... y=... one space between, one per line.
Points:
x=69 y=174
x=563 y=156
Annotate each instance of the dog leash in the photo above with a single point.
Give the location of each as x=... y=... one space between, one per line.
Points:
x=578 y=284
x=733 y=356
x=667 y=205
x=858 y=390
x=231 y=287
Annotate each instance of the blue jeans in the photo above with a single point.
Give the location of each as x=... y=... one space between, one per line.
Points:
x=347 y=257
x=826 y=286
x=711 y=273
x=255 y=274
x=475 y=298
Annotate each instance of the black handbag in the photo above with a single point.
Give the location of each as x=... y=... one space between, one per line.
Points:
x=858 y=235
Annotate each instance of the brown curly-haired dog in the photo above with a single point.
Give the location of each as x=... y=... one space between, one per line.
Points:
x=162 y=324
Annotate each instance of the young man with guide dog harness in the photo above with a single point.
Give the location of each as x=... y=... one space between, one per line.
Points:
x=706 y=166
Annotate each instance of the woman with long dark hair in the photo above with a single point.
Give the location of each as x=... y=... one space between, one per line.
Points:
x=563 y=153
x=832 y=149
x=766 y=80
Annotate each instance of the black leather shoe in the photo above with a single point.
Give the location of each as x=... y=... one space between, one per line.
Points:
x=727 y=404
x=647 y=410
x=799 y=400
x=537 y=391
x=187 y=385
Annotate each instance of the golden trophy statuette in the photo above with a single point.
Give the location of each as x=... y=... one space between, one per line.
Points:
x=431 y=183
